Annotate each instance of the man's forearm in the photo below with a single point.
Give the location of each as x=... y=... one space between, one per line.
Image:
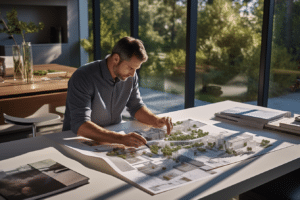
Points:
x=145 y=116
x=91 y=130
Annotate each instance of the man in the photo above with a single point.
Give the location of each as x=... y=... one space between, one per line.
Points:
x=99 y=91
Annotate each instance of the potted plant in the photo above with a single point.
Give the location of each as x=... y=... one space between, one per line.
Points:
x=15 y=26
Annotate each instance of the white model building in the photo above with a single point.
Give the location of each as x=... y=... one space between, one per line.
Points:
x=220 y=139
x=189 y=153
x=154 y=134
x=211 y=139
x=175 y=155
x=177 y=128
x=238 y=142
x=252 y=144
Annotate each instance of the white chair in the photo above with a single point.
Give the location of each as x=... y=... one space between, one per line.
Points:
x=32 y=120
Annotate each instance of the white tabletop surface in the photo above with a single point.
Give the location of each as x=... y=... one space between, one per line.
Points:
x=234 y=179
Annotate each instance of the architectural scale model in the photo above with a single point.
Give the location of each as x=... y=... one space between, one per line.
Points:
x=193 y=151
x=189 y=143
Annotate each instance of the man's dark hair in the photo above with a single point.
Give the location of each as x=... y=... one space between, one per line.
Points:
x=128 y=47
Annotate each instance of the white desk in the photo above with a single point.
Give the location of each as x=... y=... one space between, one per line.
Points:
x=235 y=179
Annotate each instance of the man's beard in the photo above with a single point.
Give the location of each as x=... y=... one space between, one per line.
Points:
x=118 y=75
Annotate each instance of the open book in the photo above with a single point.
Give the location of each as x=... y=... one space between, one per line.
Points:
x=38 y=180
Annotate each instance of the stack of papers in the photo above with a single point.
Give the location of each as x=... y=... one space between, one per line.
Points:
x=287 y=124
x=251 y=117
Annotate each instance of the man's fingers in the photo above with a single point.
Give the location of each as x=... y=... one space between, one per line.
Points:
x=169 y=125
x=140 y=138
x=130 y=149
x=134 y=140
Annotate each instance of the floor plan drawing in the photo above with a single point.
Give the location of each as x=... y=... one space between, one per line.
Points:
x=193 y=151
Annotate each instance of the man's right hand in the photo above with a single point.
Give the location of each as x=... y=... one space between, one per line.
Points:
x=133 y=140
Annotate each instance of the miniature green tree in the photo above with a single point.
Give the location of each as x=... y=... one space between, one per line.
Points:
x=229 y=151
x=154 y=149
x=122 y=156
x=201 y=149
x=265 y=143
x=220 y=147
x=234 y=152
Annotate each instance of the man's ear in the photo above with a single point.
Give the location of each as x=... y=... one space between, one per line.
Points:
x=116 y=58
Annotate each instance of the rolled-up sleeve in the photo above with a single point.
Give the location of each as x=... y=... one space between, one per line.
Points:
x=80 y=90
x=135 y=101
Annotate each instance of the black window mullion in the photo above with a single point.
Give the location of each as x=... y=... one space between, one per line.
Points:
x=191 y=40
x=265 y=56
x=134 y=23
x=96 y=29
x=134 y=18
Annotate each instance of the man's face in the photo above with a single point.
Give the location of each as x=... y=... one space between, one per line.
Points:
x=125 y=69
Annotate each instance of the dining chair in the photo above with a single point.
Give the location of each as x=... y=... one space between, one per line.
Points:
x=32 y=120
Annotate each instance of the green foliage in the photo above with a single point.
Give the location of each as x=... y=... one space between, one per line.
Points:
x=43 y=72
x=228 y=41
x=283 y=61
x=15 y=26
x=178 y=135
x=211 y=145
x=154 y=149
x=175 y=62
x=198 y=144
x=234 y=152
x=264 y=143
x=220 y=147
x=229 y=151
x=201 y=149
x=167 y=151
x=286 y=26
x=122 y=156
x=223 y=36
x=40 y=72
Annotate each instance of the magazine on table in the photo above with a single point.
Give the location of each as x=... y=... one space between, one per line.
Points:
x=38 y=180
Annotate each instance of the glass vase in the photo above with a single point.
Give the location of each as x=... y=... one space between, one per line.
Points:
x=27 y=61
x=18 y=63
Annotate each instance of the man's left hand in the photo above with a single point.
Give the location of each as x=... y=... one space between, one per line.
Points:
x=165 y=121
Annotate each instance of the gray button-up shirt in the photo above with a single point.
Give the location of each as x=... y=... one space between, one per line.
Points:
x=93 y=95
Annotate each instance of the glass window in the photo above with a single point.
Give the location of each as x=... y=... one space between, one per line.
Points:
x=115 y=24
x=162 y=28
x=284 y=88
x=228 y=50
